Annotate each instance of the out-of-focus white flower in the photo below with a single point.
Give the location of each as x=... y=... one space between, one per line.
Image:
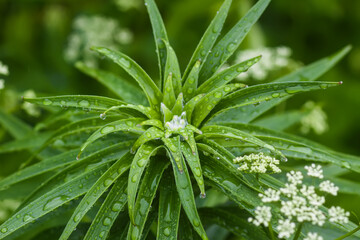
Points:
x=313 y=236
x=177 y=123
x=329 y=187
x=262 y=216
x=285 y=228
x=89 y=31
x=316 y=120
x=338 y=215
x=257 y=163
x=4 y=70
x=272 y=59
x=314 y=171
x=30 y=108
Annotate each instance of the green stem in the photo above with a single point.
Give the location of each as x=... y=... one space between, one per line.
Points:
x=298 y=231
x=271 y=232
x=349 y=233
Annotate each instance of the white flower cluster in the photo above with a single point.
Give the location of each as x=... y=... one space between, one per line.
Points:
x=177 y=123
x=300 y=203
x=4 y=70
x=316 y=120
x=89 y=31
x=257 y=163
x=272 y=59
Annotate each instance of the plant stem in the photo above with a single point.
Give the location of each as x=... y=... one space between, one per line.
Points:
x=349 y=233
x=271 y=232
x=298 y=231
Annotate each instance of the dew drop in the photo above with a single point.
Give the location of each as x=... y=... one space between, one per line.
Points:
x=231 y=47
x=54 y=202
x=125 y=62
x=102 y=234
x=27 y=217
x=107 y=221
x=84 y=103
x=196 y=222
x=202 y=195
x=134 y=177
x=77 y=217
x=116 y=207
x=108 y=182
x=4 y=230
x=227 y=89
x=167 y=231
x=107 y=129
x=275 y=95
x=103 y=116
x=47 y=102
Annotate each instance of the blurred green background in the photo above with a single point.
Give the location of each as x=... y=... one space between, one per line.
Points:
x=40 y=41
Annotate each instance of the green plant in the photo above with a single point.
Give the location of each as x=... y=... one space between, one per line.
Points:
x=154 y=147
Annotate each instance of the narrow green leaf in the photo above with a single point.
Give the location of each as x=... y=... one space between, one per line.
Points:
x=234 y=220
x=152 y=92
x=297 y=147
x=27 y=143
x=191 y=83
x=137 y=111
x=17 y=128
x=208 y=39
x=169 y=94
x=93 y=160
x=311 y=72
x=192 y=158
x=138 y=165
x=190 y=105
x=116 y=84
x=153 y=122
x=150 y=134
x=265 y=92
x=159 y=32
x=172 y=68
x=95 y=192
x=173 y=146
x=179 y=105
x=227 y=75
x=281 y=121
x=231 y=41
x=126 y=125
x=232 y=133
x=228 y=182
x=169 y=209
x=114 y=203
x=186 y=194
x=55 y=162
x=52 y=200
x=210 y=100
x=166 y=112
x=87 y=102
x=146 y=196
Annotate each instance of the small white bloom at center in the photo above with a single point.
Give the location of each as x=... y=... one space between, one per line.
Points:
x=177 y=123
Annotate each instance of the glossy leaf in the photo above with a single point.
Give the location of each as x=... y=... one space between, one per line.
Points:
x=88 y=102
x=265 y=92
x=138 y=165
x=114 y=203
x=208 y=39
x=190 y=105
x=152 y=92
x=95 y=192
x=159 y=33
x=172 y=68
x=169 y=209
x=191 y=83
x=116 y=84
x=150 y=134
x=52 y=200
x=179 y=105
x=169 y=94
x=210 y=100
x=192 y=158
x=227 y=75
x=173 y=146
x=146 y=196
x=126 y=125
x=185 y=190
x=231 y=41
